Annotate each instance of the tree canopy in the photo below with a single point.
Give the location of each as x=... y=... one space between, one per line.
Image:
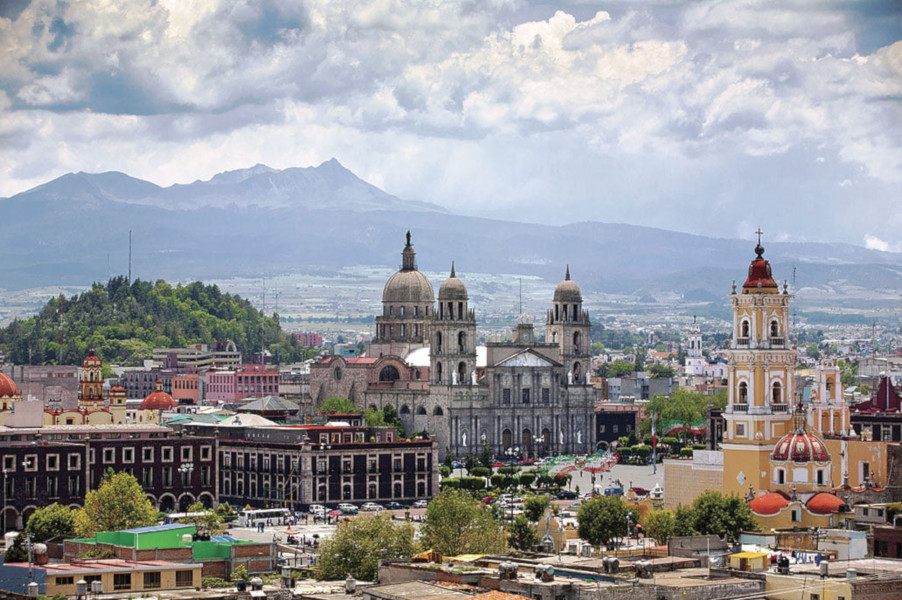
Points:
x=660 y=525
x=119 y=503
x=456 y=523
x=521 y=535
x=124 y=322
x=48 y=522
x=359 y=544
x=602 y=519
x=336 y=405
x=205 y=520
x=725 y=516
x=683 y=405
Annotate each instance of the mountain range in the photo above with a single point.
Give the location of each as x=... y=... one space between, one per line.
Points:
x=75 y=230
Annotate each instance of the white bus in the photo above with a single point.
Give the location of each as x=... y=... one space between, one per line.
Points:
x=175 y=517
x=270 y=516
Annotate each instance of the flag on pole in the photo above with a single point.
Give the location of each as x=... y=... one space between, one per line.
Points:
x=654 y=431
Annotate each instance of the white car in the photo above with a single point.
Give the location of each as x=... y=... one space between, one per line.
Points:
x=347 y=508
x=371 y=506
x=421 y=504
x=317 y=509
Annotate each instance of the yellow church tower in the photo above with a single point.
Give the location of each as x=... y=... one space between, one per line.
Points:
x=90 y=386
x=760 y=367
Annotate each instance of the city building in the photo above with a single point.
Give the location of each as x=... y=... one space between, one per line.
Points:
x=309 y=339
x=520 y=396
x=223 y=355
x=248 y=381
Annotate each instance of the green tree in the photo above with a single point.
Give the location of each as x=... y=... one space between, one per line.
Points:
x=486 y=456
x=51 y=521
x=206 y=520
x=336 y=406
x=813 y=350
x=602 y=519
x=684 y=521
x=534 y=507
x=17 y=552
x=660 y=525
x=722 y=515
x=359 y=544
x=657 y=370
x=641 y=353
x=393 y=419
x=596 y=348
x=456 y=523
x=848 y=373
x=521 y=535
x=617 y=368
x=119 y=503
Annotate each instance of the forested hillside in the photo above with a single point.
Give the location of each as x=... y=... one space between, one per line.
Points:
x=123 y=324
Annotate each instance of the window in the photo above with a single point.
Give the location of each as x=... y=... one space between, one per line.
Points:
x=152 y=581
x=53 y=462
x=743 y=393
x=740 y=429
x=74 y=485
x=167 y=454
x=53 y=487
x=206 y=452
x=397 y=463
x=122 y=581
x=796 y=515
x=109 y=456
x=167 y=476
x=525 y=395
x=128 y=455
x=9 y=463
x=546 y=396
x=186 y=453
x=31 y=462
x=184 y=578
x=601 y=429
x=74 y=462
x=781 y=476
x=506 y=396
x=65 y=580
x=615 y=428
x=147 y=454
x=147 y=477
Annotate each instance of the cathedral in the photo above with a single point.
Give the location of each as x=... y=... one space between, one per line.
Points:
x=520 y=397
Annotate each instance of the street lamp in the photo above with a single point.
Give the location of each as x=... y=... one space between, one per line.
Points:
x=186 y=469
x=5 y=497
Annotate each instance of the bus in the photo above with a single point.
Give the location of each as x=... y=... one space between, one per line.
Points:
x=176 y=517
x=267 y=515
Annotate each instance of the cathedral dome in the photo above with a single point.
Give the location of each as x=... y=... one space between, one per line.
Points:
x=800 y=447
x=7 y=387
x=452 y=288
x=824 y=504
x=91 y=360
x=567 y=290
x=158 y=400
x=769 y=504
x=408 y=284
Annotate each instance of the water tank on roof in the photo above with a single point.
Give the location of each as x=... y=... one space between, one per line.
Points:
x=256 y=583
x=187 y=538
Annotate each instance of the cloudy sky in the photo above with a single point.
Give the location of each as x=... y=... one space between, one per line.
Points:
x=711 y=117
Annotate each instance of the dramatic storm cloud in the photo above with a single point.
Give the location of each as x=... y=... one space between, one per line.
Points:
x=710 y=117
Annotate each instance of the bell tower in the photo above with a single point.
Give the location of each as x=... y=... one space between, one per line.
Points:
x=568 y=326
x=453 y=343
x=90 y=386
x=760 y=366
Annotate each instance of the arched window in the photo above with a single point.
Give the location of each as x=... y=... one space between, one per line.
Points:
x=389 y=373
x=438 y=372
x=554 y=337
x=777 y=393
x=322 y=494
x=421 y=410
x=405 y=410
x=576 y=340
x=421 y=488
x=391 y=311
x=372 y=491
x=346 y=492
x=575 y=312
x=557 y=312
x=461 y=342
x=774 y=329
x=576 y=371
x=743 y=393
x=438 y=343
x=745 y=330
x=398 y=490
x=401 y=311
x=461 y=372
x=437 y=411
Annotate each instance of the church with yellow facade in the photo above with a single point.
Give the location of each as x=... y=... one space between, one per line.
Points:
x=797 y=463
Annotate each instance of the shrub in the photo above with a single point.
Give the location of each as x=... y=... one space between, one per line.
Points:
x=480 y=471
x=686 y=453
x=444 y=471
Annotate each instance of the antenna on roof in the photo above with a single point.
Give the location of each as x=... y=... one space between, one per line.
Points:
x=129 y=256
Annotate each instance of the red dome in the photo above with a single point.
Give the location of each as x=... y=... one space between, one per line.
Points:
x=769 y=504
x=158 y=401
x=7 y=386
x=759 y=273
x=90 y=360
x=824 y=504
x=800 y=447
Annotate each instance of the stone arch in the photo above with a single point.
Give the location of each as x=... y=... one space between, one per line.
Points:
x=577 y=338
x=577 y=372
x=602 y=446
x=9 y=518
x=346 y=492
x=776 y=393
x=438 y=372
x=437 y=411
x=438 y=342
x=421 y=410
x=405 y=410
x=507 y=439
x=774 y=328
x=207 y=499
x=743 y=393
x=185 y=500
x=461 y=372
x=26 y=514
x=373 y=407
x=745 y=329
x=167 y=503
x=461 y=342
x=526 y=442
x=389 y=373
x=546 y=440
x=153 y=500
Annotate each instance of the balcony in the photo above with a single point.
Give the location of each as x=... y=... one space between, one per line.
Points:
x=779 y=408
x=744 y=408
x=742 y=341
x=777 y=342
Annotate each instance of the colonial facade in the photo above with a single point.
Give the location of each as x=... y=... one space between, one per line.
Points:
x=527 y=396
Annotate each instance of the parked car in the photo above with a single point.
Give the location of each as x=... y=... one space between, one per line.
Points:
x=370 y=507
x=488 y=500
x=421 y=504
x=567 y=495
x=527 y=461
x=393 y=505
x=317 y=509
x=497 y=464
x=457 y=465
x=347 y=509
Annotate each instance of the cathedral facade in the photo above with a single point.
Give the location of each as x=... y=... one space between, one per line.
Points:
x=519 y=397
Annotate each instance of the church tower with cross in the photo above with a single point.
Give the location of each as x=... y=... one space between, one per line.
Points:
x=760 y=366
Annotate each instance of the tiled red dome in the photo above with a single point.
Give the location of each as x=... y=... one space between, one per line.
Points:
x=769 y=504
x=759 y=273
x=7 y=386
x=158 y=401
x=800 y=447
x=90 y=360
x=824 y=504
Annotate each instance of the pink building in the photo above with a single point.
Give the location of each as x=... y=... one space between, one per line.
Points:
x=309 y=340
x=249 y=381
